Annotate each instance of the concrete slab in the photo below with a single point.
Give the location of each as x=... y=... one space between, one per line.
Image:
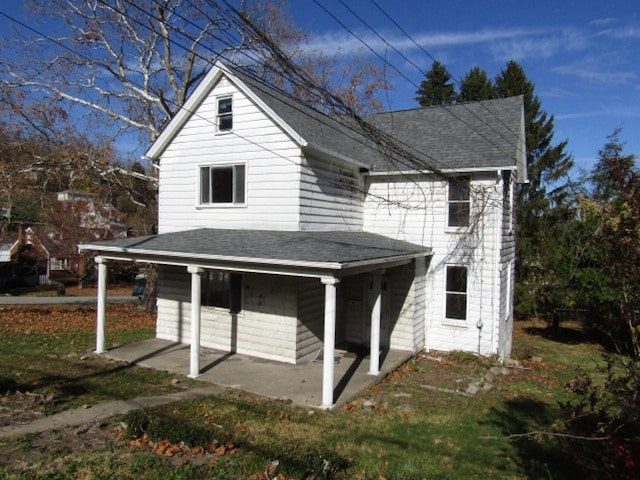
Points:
x=301 y=384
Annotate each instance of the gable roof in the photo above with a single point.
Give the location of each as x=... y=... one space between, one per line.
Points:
x=475 y=135
x=485 y=135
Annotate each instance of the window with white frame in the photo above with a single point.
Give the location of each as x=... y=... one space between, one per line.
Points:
x=222 y=289
x=459 y=202
x=456 y=292
x=225 y=114
x=222 y=184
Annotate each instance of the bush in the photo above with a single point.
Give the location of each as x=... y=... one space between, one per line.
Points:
x=602 y=426
x=137 y=422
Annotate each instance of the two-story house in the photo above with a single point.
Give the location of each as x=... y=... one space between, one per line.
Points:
x=284 y=232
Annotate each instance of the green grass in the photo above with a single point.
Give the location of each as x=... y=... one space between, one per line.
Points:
x=413 y=433
x=57 y=363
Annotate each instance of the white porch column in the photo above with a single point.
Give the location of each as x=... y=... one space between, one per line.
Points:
x=376 y=309
x=102 y=304
x=196 y=288
x=329 y=339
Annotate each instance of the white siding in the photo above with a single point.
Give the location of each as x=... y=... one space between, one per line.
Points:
x=272 y=169
x=266 y=327
x=310 y=324
x=330 y=196
x=414 y=210
x=401 y=315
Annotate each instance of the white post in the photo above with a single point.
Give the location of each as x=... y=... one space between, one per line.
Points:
x=102 y=304
x=376 y=293
x=196 y=288
x=329 y=339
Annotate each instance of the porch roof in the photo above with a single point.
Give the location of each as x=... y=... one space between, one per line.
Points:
x=306 y=253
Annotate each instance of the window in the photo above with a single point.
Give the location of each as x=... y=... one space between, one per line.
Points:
x=456 y=293
x=225 y=115
x=222 y=184
x=222 y=289
x=459 y=202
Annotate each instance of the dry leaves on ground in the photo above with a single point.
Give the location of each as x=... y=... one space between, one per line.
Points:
x=69 y=318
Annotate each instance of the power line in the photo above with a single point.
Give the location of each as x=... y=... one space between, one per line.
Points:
x=412 y=63
x=412 y=165
x=425 y=51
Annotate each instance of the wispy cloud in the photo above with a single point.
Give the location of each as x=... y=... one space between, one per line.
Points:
x=620 y=33
x=595 y=74
x=601 y=22
x=543 y=45
x=501 y=43
x=509 y=39
x=559 y=93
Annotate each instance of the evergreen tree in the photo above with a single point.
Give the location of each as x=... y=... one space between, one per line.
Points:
x=476 y=86
x=437 y=88
x=541 y=203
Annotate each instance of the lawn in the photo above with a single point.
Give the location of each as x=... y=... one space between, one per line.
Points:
x=416 y=424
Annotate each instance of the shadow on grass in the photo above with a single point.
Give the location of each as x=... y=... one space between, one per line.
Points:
x=526 y=423
x=567 y=334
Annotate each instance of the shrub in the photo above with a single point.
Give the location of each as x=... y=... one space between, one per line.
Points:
x=137 y=422
x=602 y=426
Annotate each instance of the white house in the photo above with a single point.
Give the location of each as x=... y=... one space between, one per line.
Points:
x=284 y=232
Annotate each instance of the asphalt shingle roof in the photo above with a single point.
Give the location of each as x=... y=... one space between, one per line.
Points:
x=268 y=246
x=472 y=135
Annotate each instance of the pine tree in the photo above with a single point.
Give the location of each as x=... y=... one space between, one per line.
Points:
x=476 y=86
x=437 y=88
x=541 y=202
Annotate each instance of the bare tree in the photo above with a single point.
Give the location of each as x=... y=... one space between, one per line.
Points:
x=129 y=65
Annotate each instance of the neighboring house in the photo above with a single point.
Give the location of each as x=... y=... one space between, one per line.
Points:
x=283 y=231
x=24 y=261
x=79 y=218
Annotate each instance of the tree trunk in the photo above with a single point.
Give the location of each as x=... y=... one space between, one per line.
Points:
x=148 y=302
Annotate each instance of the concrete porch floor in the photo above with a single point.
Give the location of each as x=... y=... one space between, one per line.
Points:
x=302 y=383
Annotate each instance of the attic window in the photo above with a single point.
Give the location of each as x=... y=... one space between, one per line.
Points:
x=225 y=114
x=459 y=202
x=222 y=184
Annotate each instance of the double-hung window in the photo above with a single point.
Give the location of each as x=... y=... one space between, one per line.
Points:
x=225 y=114
x=222 y=289
x=222 y=184
x=459 y=202
x=456 y=292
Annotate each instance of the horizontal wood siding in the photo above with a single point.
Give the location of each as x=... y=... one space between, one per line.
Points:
x=414 y=210
x=419 y=303
x=265 y=328
x=330 y=196
x=272 y=169
x=401 y=313
x=310 y=323
x=174 y=304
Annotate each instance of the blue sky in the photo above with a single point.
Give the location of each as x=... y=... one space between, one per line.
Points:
x=583 y=56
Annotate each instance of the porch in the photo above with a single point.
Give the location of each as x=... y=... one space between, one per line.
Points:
x=302 y=383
